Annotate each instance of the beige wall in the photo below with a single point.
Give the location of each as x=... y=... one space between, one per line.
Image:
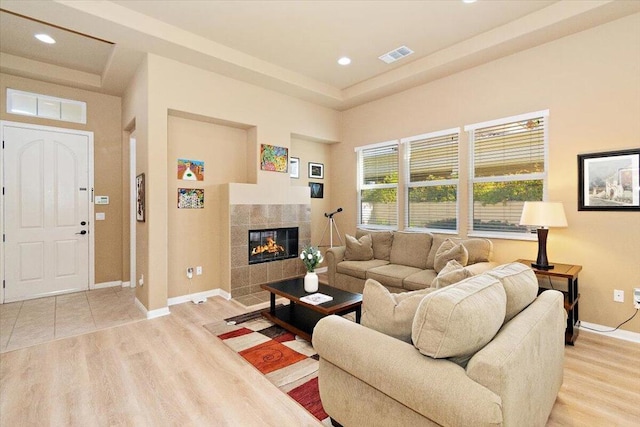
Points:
x=590 y=82
x=177 y=87
x=135 y=119
x=194 y=233
x=316 y=152
x=104 y=120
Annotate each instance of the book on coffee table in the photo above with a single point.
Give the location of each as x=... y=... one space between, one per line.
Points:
x=317 y=298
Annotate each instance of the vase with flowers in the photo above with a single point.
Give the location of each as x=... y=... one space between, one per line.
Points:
x=311 y=257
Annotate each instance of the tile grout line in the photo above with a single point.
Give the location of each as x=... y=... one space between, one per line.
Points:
x=86 y=296
x=14 y=325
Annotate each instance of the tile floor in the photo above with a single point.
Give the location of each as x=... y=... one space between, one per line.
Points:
x=26 y=323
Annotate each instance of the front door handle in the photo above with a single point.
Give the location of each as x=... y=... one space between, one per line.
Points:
x=83 y=232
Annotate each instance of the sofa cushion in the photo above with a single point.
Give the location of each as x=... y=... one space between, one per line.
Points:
x=410 y=249
x=480 y=250
x=520 y=285
x=453 y=272
x=381 y=240
x=448 y=251
x=456 y=321
x=358 y=249
x=359 y=268
x=391 y=274
x=389 y=313
x=419 y=280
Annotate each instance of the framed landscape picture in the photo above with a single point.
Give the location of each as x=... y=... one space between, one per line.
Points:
x=316 y=170
x=609 y=181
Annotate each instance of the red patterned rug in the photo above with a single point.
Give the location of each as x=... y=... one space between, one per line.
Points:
x=288 y=362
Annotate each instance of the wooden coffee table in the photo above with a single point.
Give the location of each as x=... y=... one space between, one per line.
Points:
x=299 y=317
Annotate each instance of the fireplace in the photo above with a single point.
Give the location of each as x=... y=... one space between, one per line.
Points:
x=273 y=244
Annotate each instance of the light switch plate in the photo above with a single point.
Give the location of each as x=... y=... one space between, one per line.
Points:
x=100 y=216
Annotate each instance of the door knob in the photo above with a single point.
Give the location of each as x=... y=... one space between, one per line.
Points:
x=83 y=232
x=83 y=223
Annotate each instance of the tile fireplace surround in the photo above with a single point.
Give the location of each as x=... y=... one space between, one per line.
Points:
x=246 y=279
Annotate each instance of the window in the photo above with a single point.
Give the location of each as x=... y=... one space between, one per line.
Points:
x=48 y=107
x=432 y=184
x=508 y=167
x=378 y=185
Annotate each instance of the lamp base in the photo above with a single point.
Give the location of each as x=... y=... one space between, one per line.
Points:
x=542 y=266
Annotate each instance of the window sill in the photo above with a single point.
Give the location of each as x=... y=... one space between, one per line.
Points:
x=528 y=237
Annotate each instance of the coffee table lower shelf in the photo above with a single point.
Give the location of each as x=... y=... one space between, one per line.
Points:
x=296 y=319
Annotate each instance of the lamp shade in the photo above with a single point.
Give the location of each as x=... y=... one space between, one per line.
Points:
x=544 y=214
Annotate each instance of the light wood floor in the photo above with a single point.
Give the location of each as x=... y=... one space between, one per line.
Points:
x=171 y=371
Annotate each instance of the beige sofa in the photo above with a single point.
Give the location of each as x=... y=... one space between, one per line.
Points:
x=401 y=261
x=459 y=372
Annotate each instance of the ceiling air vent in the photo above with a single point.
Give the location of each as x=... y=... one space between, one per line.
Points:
x=396 y=54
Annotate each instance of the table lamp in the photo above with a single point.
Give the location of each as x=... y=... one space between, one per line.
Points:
x=543 y=214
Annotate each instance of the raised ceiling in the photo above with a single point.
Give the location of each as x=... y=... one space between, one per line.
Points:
x=288 y=46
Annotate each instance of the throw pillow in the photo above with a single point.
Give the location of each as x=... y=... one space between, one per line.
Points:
x=457 y=321
x=453 y=272
x=381 y=241
x=358 y=250
x=389 y=313
x=520 y=284
x=449 y=250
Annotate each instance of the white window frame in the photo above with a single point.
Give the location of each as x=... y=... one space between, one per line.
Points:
x=528 y=177
x=39 y=100
x=361 y=186
x=408 y=184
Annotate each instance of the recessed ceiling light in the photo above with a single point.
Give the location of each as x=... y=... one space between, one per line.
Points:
x=469 y=1
x=344 y=61
x=45 y=38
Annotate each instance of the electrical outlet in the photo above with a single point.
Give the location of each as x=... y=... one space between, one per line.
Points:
x=189 y=272
x=199 y=270
x=618 y=295
x=636 y=297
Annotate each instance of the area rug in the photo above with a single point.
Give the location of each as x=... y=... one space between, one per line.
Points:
x=290 y=363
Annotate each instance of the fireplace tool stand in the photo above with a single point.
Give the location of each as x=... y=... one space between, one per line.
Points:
x=331 y=225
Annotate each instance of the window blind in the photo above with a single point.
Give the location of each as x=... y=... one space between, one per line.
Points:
x=507 y=169
x=378 y=186
x=433 y=181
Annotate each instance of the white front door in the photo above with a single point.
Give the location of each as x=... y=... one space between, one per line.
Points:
x=46 y=211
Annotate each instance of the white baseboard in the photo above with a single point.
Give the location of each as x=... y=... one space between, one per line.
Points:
x=198 y=295
x=126 y=284
x=619 y=334
x=107 y=284
x=164 y=311
x=322 y=269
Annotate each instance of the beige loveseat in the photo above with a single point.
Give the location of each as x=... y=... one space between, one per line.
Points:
x=466 y=367
x=401 y=261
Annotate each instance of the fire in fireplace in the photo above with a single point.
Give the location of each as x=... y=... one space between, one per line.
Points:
x=272 y=244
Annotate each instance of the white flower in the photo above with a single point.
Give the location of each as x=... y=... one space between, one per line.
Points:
x=310 y=256
x=302 y=255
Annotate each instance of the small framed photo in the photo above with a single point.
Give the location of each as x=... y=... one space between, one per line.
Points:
x=609 y=181
x=316 y=170
x=294 y=167
x=317 y=190
x=140 y=198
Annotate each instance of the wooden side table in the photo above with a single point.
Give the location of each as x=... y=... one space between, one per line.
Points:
x=571 y=295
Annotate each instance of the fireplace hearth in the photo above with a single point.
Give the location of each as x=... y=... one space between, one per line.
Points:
x=272 y=244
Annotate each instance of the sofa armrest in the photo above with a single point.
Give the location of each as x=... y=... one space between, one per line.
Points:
x=524 y=362
x=333 y=256
x=435 y=388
